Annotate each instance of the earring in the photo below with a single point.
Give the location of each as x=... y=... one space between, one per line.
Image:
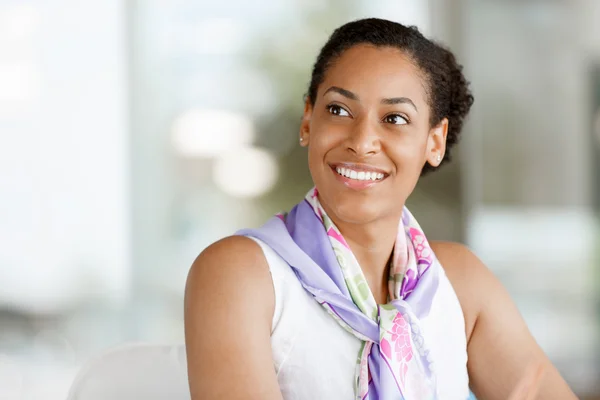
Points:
x=439 y=157
x=301 y=140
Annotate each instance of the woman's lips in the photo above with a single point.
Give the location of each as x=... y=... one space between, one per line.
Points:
x=357 y=176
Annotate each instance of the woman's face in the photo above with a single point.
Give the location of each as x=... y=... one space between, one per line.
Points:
x=368 y=134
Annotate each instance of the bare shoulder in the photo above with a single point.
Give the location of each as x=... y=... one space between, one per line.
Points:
x=231 y=249
x=472 y=281
x=500 y=347
x=228 y=311
x=456 y=258
x=234 y=263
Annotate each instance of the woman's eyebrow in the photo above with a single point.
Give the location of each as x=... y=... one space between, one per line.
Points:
x=343 y=92
x=399 y=100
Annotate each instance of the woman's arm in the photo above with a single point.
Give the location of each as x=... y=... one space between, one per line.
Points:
x=500 y=347
x=229 y=305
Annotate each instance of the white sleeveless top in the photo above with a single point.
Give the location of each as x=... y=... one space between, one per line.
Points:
x=315 y=358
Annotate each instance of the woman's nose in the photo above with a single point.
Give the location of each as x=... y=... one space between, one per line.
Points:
x=364 y=139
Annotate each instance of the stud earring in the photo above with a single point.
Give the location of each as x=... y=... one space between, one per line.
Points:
x=439 y=157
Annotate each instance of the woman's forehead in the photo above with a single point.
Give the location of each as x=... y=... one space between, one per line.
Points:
x=373 y=73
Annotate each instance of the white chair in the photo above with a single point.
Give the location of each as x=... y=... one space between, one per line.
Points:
x=134 y=371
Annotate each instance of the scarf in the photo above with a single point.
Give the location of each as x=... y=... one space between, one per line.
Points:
x=394 y=361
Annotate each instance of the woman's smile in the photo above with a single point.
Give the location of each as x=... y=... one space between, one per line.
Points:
x=358 y=176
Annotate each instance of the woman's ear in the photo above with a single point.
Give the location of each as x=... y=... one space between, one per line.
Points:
x=436 y=143
x=305 y=125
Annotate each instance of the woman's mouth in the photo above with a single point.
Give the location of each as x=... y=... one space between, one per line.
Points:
x=358 y=177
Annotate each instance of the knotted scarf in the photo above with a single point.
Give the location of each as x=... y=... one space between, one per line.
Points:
x=394 y=361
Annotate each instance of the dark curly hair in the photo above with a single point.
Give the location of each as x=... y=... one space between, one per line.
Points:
x=447 y=89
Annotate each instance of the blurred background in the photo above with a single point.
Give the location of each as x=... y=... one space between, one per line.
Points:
x=135 y=133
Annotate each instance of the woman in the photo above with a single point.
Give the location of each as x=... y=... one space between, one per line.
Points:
x=344 y=297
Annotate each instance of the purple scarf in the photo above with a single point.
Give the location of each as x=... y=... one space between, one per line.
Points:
x=394 y=362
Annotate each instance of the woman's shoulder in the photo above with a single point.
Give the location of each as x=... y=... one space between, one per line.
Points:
x=471 y=280
x=500 y=346
x=228 y=309
x=232 y=250
x=459 y=262
x=232 y=269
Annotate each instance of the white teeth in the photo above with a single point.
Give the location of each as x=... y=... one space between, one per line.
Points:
x=359 y=175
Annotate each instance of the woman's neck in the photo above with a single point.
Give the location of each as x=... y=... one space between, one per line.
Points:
x=372 y=244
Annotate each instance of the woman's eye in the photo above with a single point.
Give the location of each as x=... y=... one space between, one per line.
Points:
x=337 y=110
x=395 y=119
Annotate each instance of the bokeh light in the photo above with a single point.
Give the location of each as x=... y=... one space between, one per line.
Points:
x=207 y=133
x=246 y=172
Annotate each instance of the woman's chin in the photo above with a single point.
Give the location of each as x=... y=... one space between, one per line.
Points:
x=355 y=212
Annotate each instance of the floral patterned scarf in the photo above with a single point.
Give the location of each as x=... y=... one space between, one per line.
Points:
x=394 y=362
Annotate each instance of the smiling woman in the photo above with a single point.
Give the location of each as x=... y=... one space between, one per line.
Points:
x=344 y=297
